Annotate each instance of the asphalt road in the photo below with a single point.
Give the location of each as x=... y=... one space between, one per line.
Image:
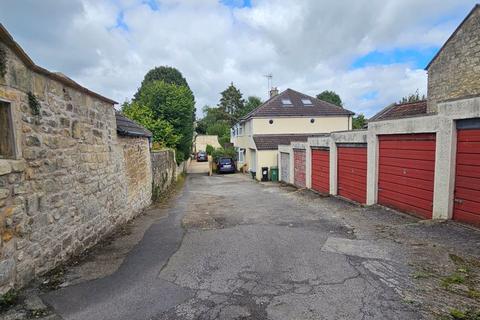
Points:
x=231 y=248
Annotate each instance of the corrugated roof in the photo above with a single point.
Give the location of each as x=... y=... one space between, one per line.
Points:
x=271 y=141
x=15 y=47
x=127 y=127
x=403 y=110
x=275 y=108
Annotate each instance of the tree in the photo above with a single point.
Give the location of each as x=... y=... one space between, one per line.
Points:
x=359 y=122
x=163 y=132
x=166 y=102
x=251 y=104
x=224 y=152
x=231 y=103
x=166 y=74
x=330 y=96
x=201 y=127
x=219 y=129
x=413 y=97
x=211 y=117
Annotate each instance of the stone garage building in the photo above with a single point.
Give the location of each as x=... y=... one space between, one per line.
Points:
x=454 y=71
x=66 y=178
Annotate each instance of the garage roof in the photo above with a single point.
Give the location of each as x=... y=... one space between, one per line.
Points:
x=403 y=110
x=127 y=127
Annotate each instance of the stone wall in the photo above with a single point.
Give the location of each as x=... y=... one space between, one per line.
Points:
x=182 y=167
x=164 y=170
x=72 y=180
x=455 y=71
x=138 y=169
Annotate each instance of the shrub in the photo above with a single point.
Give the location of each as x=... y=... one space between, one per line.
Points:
x=221 y=152
x=210 y=149
x=223 y=140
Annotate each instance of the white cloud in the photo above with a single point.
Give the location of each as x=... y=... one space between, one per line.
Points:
x=307 y=45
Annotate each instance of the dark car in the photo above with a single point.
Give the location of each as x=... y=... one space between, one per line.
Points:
x=202 y=156
x=226 y=165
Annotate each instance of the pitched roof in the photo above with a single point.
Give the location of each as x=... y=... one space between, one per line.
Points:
x=8 y=40
x=476 y=7
x=275 y=108
x=403 y=110
x=127 y=127
x=271 y=141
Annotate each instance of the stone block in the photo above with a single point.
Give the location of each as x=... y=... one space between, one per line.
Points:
x=33 y=141
x=18 y=165
x=7 y=235
x=5 y=167
x=77 y=130
x=20 y=189
x=7 y=270
x=4 y=193
x=39 y=87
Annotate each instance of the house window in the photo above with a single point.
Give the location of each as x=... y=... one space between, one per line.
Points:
x=241 y=155
x=287 y=102
x=7 y=142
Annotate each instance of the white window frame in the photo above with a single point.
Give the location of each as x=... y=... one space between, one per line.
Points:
x=241 y=155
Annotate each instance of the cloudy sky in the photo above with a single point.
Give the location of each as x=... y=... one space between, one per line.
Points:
x=371 y=52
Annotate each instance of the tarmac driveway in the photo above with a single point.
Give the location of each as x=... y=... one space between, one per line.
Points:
x=232 y=248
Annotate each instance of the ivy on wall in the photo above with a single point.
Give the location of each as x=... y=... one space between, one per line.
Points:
x=34 y=104
x=3 y=62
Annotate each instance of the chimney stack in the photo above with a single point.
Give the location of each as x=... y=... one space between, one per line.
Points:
x=273 y=92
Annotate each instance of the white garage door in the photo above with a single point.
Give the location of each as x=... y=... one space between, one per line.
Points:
x=285 y=163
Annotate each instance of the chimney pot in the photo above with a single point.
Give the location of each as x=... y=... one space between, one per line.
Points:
x=273 y=92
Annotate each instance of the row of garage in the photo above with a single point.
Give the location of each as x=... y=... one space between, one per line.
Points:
x=405 y=173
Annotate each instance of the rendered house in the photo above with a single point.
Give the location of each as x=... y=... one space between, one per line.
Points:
x=285 y=117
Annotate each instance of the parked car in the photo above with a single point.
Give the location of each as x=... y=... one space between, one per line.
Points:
x=226 y=165
x=202 y=156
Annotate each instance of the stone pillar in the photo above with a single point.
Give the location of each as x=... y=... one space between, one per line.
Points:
x=308 y=166
x=333 y=167
x=279 y=161
x=372 y=168
x=444 y=183
x=292 y=167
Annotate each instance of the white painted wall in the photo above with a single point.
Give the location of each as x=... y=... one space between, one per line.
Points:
x=300 y=125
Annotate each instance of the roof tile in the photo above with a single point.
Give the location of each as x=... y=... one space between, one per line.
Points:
x=275 y=108
x=404 y=110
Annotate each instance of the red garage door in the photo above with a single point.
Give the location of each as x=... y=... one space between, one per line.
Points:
x=406 y=172
x=352 y=172
x=299 y=157
x=467 y=178
x=321 y=170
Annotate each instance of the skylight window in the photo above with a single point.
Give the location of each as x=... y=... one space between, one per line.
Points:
x=286 y=102
x=307 y=102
